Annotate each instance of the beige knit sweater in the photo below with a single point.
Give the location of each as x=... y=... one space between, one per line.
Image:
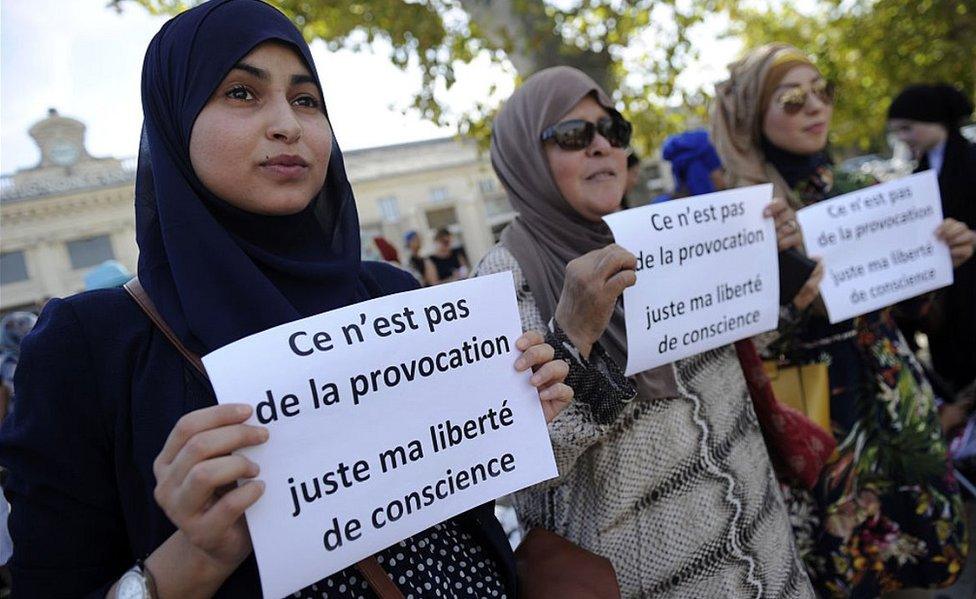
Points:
x=678 y=493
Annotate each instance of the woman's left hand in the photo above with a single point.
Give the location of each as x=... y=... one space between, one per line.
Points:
x=549 y=374
x=784 y=219
x=959 y=238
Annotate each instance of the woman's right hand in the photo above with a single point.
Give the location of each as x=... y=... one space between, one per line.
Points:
x=593 y=283
x=195 y=476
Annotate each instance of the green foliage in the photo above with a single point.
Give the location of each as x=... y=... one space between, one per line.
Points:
x=636 y=48
x=439 y=36
x=872 y=49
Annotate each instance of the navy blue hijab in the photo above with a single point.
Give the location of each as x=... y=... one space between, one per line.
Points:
x=217 y=273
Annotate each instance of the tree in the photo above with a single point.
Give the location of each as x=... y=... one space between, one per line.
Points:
x=528 y=35
x=872 y=49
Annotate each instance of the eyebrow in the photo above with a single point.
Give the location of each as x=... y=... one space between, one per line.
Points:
x=264 y=76
x=783 y=85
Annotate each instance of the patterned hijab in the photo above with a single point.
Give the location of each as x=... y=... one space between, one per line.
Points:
x=737 y=116
x=548 y=232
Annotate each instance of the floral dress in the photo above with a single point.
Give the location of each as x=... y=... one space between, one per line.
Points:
x=886 y=512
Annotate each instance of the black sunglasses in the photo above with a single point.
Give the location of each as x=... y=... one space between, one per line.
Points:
x=578 y=134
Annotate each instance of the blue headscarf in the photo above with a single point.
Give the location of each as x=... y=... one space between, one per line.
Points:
x=692 y=159
x=217 y=273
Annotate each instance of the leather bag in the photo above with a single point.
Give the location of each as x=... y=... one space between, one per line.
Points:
x=551 y=567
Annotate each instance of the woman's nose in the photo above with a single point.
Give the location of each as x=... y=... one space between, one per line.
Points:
x=284 y=125
x=599 y=146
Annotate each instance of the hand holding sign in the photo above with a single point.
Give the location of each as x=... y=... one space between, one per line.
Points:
x=192 y=471
x=593 y=283
x=549 y=373
x=959 y=238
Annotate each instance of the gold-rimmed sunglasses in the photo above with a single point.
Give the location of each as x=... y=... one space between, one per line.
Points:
x=795 y=98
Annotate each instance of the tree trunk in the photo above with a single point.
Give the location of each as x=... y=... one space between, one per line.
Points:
x=527 y=35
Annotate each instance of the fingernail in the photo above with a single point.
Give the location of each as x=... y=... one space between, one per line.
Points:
x=535 y=379
x=244 y=410
x=265 y=434
x=254 y=469
x=519 y=364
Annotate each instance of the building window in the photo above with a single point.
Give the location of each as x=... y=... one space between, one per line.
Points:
x=486 y=185
x=497 y=205
x=85 y=253
x=438 y=194
x=442 y=218
x=13 y=268
x=389 y=209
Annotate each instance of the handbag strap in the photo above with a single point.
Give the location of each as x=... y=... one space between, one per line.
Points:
x=368 y=567
x=377 y=578
x=134 y=287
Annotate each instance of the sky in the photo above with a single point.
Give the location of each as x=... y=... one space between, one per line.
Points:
x=85 y=60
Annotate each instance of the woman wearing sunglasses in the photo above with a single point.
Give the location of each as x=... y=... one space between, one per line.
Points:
x=665 y=473
x=121 y=465
x=885 y=514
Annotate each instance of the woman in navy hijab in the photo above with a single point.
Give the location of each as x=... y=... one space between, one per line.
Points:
x=120 y=463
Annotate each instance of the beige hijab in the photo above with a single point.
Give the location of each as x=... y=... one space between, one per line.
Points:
x=737 y=116
x=548 y=232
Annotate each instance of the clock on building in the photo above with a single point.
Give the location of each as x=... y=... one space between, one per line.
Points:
x=63 y=153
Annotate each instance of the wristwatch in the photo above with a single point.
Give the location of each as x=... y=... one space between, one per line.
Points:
x=137 y=583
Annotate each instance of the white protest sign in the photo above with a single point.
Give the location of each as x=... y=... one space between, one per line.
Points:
x=707 y=274
x=878 y=245
x=386 y=417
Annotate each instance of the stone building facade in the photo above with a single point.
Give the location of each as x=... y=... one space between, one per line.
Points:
x=63 y=217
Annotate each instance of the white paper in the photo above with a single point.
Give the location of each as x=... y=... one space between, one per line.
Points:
x=878 y=245
x=311 y=442
x=707 y=274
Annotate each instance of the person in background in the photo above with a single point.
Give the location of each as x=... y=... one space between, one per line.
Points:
x=664 y=473
x=695 y=165
x=123 y=469
x=886 y=513
x=13 y=328
x=447 y=263
x=927 y=118
x=110 y=273
x=416 y=264
x=633 y=178
x=386 y=250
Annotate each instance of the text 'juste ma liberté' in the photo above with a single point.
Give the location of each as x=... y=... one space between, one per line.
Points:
x=441 y=436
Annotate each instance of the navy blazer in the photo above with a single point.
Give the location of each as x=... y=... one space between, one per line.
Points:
x=98 y=390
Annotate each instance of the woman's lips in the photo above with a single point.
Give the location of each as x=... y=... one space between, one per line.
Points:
x=285 y=167
x=284 y=171
x=816 y=128
x=601 y=176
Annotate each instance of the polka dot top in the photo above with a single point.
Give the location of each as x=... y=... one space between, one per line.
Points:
x=442 y=561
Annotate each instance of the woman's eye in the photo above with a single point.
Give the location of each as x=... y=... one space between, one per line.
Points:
x=239 y=92
x=307 y=102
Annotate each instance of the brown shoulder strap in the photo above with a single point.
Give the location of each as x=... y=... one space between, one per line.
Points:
x=142 y=298
x=368 y=567
x=377 y=578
